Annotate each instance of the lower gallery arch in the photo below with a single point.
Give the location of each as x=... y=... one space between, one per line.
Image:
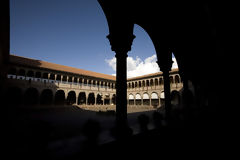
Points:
x=82 y=98
x=146 y=99
x=59 y=97
x=71 y=98
x=91 y=99
x=114 y=99
x=46 y=97
x=31 y=96
x=131 y=99
x=107 y=99
x=138 y=100
x=162 y=98
x=13 y=96
x=154 y=99
x=99 y=99
x=175 y=98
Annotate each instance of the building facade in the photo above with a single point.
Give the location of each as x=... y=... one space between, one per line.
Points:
x=42 y=83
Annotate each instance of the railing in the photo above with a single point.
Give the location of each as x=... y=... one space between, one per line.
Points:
x=58 y=83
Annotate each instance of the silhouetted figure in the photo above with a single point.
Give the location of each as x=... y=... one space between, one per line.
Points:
x=158 y=120
x=91 y=130
x=143 y=121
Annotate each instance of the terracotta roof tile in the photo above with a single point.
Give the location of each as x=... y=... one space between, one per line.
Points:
x=151 y=75
x=57 y=67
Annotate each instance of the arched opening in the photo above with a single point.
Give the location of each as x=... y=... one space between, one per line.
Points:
x=171 y=79
x=146 y=99
x=82 y=98
x=154 y=99
x=156 y=82
x=70 y=79
x=139 y=84
x=148 y=84
x=31 y=96
x=21 y=72
x=52 y=76
x=177 y=79
x=99 y=99
x=59 y=97
x=45 y=76
x=175 y=98
x=136 y=84
x=12 y=71
x=114 y=99
x=138 y=100
x=91 y=99
x=131 y=99
x=161 y=81
x=151 y=82
x=46 y=97
x=30 y=73
x=13 y=96
x=71 y=98
x=64 y=79
x=58 y=78
x=162 y=98
x=107 y=99
x=38 y=75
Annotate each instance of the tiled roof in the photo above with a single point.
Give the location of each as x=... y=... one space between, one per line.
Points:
x=52 y=66
x=151 y=75
x=57 y=67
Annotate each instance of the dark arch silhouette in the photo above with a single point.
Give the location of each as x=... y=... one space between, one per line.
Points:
x=31 y=96
x=114 y=99
x=99 y=99
x=91 y=99
x=46 y=97
x=82 y=98
x=71 y=98
x=175 y=98
x=12 y=71
x=14 y=96
x=59 y=97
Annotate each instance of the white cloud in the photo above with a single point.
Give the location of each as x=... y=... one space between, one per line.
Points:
x=138 y=67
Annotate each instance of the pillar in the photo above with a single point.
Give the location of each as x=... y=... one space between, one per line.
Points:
x=165 y=64
x=121 y=44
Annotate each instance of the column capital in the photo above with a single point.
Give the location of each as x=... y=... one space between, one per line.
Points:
x=165 y=60
x=121 y=43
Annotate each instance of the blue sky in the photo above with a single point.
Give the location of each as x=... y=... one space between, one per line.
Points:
x=72 y=33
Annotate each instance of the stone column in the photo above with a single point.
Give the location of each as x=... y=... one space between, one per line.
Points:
x=121 y=45
x=165 y=64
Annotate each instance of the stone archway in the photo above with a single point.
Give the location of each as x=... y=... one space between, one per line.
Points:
x=154 y=99
x=114 y=99
x=138 y=99
x=146 y=99
x=82 y=98
x=131 y=99
x=59 y=97
x=31 y=96
x=71 y=98
x=46 y=97
x=99 y=99
x=13 y=96
x=91 y=99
